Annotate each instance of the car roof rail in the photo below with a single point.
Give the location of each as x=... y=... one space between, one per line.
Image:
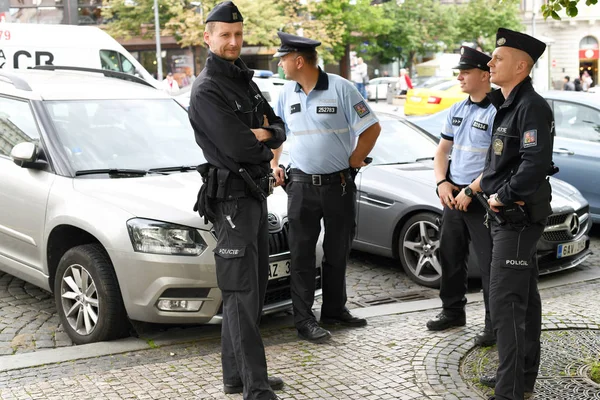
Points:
x=105 y=72
x=16 y=81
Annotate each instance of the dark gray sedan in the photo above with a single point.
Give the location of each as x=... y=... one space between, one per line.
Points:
x=576 y=145
x=398 y=211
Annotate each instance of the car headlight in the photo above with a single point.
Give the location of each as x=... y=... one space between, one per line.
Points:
x=157 y=237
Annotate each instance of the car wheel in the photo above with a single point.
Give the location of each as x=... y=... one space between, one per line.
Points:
x=418 y=249
x=87 y=296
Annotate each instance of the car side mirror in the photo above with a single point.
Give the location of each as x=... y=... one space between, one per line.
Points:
x=26 y=155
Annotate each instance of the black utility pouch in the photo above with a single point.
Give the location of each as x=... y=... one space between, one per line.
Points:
x=222 y=179
x=515 y=214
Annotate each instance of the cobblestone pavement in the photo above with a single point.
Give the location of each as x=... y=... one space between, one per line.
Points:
x=394 y=357
x=29 y=321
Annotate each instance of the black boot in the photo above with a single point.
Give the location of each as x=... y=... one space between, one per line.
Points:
x=445 y=320
x=485 y=339
x=275 y=383
x=312 y=332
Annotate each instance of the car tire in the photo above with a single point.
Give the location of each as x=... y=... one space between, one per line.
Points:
x=87 y=296
x=418 y=248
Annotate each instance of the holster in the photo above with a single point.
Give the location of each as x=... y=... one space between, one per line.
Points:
x=206 y=193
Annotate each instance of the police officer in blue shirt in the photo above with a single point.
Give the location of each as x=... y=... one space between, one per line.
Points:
x=333 y=130
x=467 y=134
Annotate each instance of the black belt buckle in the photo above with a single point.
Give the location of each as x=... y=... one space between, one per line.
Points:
x=316 y=180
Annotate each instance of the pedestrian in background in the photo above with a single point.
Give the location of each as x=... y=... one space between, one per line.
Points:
x=236 y=129
x=333 y=130
x=170 y=85
x=577 y=84
x=586 y=81
x=404 y=82
x=516 y=179
x=466 y=136
x=568 y=85
x=360 y=76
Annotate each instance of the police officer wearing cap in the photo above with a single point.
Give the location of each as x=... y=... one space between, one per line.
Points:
x=236 y=129
x=516 y=179
x=467 y=135
x=333 y=130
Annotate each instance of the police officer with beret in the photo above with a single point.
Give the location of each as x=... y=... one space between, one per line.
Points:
x=516 y=179
x=466 y=134
x=236 y=129
x=333 y=130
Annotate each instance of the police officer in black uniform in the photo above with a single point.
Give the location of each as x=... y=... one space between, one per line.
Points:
x=236 y=129
x=516 y=179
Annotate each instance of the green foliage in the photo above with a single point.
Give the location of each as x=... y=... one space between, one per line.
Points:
x=128 y=19
x=419 y=26
x=552 y=7
x=478 y=21
x=595 y=372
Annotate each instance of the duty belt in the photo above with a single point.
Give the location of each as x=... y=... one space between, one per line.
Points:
x=319 y=179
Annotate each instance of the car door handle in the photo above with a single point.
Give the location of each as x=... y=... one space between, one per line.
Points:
x=563 y=151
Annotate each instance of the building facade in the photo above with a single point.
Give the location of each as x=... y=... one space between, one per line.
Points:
x=573 y=42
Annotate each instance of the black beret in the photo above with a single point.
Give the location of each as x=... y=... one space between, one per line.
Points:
x=225 y=11
x=291 y=43
x=471 y=58
x=521 y=41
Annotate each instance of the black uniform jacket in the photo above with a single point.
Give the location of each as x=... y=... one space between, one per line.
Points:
x=224 y=105
x=520 y=155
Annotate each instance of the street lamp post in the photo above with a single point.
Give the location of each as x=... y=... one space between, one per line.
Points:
x=159 y=72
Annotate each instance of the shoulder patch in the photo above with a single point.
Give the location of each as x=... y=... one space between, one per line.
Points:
x=530 y=138
x=361 y=109
x=456 y=121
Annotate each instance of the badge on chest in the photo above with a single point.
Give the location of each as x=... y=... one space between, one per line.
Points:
x=295 y=108
x=498 y=146
x=326 y=110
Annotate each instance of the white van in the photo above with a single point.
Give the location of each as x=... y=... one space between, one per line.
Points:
x=28 y=45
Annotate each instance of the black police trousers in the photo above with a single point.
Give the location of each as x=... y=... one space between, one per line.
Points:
x=307 y=205
x=515 y=307
x=242 y=264
x=458 y=229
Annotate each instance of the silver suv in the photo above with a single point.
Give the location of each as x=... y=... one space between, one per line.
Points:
x=98 y=184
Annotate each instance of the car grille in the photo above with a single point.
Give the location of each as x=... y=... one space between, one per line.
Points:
x=563 y=235
x=278 y=241
x=557 y=236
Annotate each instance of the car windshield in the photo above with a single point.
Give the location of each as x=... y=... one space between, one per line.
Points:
x=399 y=143
x=444 y=85
x=124 y=134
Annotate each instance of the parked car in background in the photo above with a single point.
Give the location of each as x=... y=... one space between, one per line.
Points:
x=378 y=87
x=268 y=86
x=576 y=144
x=98 y=186
x=398 y=211
x=434 y=97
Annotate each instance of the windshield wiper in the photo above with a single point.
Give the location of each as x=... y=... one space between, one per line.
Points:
x=423 y=159
x=114 y=172
x=181 y=168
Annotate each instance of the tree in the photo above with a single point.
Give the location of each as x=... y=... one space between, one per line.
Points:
x=127 y=18
x=419 y=27
x=478 y=21
x=552 y=7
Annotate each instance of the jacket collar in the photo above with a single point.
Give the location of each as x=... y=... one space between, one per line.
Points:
x=322 y=82
x=498 y=100
x=220 y=66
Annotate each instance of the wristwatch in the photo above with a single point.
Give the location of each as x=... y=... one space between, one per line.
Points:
x=469 y=192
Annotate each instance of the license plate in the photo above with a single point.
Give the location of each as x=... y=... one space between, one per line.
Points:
x=279 y=269
x=415 y=99
x=569 y=249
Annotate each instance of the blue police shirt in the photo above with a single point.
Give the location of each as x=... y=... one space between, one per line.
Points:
x=469 y=126
x=323 y=127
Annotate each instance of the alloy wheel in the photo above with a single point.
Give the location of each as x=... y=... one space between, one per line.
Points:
x=80 y=299
x=420 y=246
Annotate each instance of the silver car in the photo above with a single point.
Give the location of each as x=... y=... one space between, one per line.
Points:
x=398 y=212
x=98 y=184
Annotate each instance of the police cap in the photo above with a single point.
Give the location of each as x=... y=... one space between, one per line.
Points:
x=521 y=41
x=225 y=11
x=291 y=43
x=471 y=58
